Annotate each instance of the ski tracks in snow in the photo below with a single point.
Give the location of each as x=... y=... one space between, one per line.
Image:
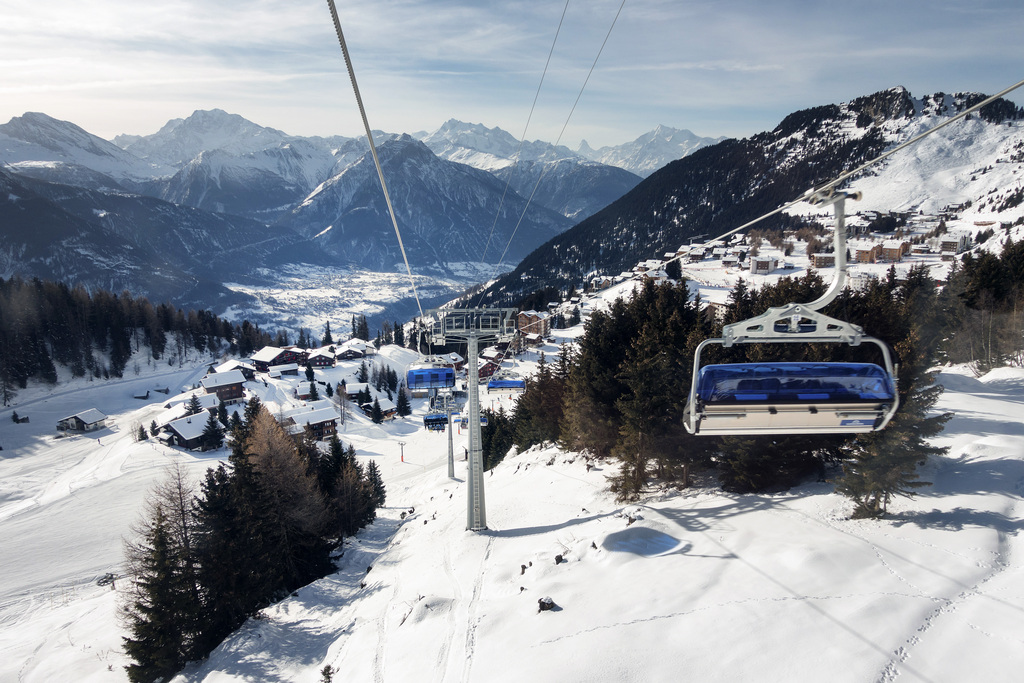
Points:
x=473 y=616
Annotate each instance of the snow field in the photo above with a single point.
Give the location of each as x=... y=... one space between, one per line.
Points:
x=684 y=585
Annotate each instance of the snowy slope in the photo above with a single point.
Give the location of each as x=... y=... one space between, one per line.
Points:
x=38 y=139
x=722 y=587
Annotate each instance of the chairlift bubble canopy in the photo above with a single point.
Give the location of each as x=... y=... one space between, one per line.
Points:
x=431 y=377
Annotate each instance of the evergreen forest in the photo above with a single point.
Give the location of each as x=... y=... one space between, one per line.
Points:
x=44 y=324
x=618 y=393
x=204 y=558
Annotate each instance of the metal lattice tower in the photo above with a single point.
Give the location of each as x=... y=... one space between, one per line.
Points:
x=473 y=325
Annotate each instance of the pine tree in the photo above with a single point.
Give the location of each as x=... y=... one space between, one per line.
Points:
x=155 y=643
x=378 y=493
x=162 y=607
x=327 y=339
x=399 y=335
x=376 y=414
x=329 y=390
x=309 y=373
x=194 y=406
x=403 y=405
x=363 y=376
x=154 y=429
x=884 y=464
x=314 y=395
x=213 y=434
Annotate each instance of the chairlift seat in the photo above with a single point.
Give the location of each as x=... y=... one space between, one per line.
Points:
x=791 y=398
x=503 y=385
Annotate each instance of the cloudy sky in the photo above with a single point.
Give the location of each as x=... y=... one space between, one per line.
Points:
x=722 y=67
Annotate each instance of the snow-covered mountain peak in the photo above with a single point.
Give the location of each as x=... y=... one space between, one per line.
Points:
x=489 y=148
x=180 y=140
x=40 y=138
x=649 y=152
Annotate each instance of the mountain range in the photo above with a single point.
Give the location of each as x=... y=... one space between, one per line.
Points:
x=722 y=186
x=215 y=196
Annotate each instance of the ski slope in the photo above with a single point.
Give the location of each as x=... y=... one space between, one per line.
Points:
x=686 y=585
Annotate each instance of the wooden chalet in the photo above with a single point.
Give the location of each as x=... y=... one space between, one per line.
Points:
x=894 y=250
x=321 y=358
x=320 y=422
x=227 y=386
x=86 y=421
x=247 y=370
x=270 y=356
x=187 y=432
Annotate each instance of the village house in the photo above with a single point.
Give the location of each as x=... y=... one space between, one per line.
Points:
x=956 y=241
x=321 y=422
x=86 y=421
x=867 y=253
x=321 y=358
x=762 y=265
x=285 y=370
x=534 y=322
x=270 y=356
x=893 y=251
x=227 y=386
x=387 y=408
x=186 y=432
x=820 y=260
x=352 y=349
x=208 y=402
x=247 y=370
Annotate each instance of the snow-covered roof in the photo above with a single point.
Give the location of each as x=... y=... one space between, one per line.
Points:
x=312 y=417
x=266 y=354
x=232 y=365
x=90 y=416
x=207 y=401
x=356 y=387
x=284 y=367
x=222 y=379
x=190 y=426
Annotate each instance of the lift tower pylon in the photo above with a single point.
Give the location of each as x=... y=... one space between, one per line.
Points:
x=473 y=325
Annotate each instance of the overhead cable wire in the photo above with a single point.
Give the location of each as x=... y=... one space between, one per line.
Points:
x=560 y=134
x=373 y=149
x=519 y=150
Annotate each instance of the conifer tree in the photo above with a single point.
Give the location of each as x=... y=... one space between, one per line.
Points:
x=327 y=339
x=154 y=429
x=376 y=414
x=378 y=494
x=213 y=434
x=156 y=642
x=314 y=394
x=194 y=406
x=162 y=606
x=403 y=405
x=884 y=464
